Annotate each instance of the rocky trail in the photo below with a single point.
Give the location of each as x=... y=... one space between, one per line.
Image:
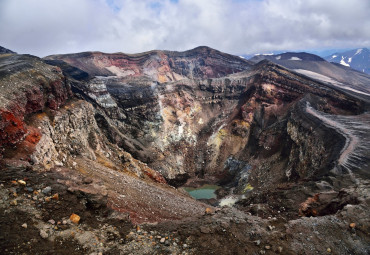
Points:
x=356 y=130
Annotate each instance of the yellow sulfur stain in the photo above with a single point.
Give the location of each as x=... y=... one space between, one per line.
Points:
x=242 y=123
x=221 y=134
x=248 y=187
x=162 y=78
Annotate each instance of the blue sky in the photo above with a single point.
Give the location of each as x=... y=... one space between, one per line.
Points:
x=43 y=27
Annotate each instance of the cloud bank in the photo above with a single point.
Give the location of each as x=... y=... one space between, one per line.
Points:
x=43 y=27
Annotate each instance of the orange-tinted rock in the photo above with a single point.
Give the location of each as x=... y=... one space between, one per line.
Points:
x=75 y=218
x=55 y=196
x=154 y=175
x=209 y=210
x=12 y=129
x=306 y=208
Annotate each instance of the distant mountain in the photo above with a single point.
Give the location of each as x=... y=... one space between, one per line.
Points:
x=316 y=67
x=287 y=56
x=5 y=51
x=162 y=66
x=358 y=59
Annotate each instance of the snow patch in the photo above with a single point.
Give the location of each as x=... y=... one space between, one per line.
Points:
x=278 y=57
x=358 y=52
x=327 y=79
x=241 y=57
x=349 y=60
x=295 y=58
x=318 y=76
x=342 y=62
x=264 y=54
x=334 y=56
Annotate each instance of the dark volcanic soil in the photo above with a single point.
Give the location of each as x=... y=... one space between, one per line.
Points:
x=218 y=231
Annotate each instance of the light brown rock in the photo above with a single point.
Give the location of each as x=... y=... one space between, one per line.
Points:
x=75 y=218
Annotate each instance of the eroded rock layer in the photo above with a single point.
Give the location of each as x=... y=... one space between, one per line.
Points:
x=114 y=134
x=44 y=127
x=196 y=127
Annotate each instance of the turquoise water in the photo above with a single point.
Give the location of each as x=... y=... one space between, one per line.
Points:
x=205 y=192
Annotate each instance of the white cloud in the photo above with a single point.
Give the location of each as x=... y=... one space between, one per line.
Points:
x=43 y=27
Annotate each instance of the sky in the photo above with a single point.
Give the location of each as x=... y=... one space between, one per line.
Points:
x=44 y=27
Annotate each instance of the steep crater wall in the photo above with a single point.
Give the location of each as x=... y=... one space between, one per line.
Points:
x=193 y=127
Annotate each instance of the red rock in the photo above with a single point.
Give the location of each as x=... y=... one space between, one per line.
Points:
x=28 y=91
x=13 y=129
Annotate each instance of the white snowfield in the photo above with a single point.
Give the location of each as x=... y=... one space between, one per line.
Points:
x=347 y=60
x=358 y=52
x=342 y=62
x=327 y=79
x=295 y=58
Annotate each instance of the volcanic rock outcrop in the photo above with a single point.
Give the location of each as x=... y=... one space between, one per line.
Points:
x=161 y=66
x=124 y=131
x=196 y=127
x=27 y=86
x=44 y=126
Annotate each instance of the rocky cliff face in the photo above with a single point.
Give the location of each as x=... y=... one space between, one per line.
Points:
x=45 y=128
x=27 y=86
x=115 y=129
x=161 y=66
x=197 y=127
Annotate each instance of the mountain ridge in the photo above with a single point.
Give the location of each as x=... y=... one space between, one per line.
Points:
x=317 y=68
x=6 y=51
x=358 y=59
x=156 y=63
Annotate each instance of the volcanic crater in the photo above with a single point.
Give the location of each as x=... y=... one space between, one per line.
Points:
x=120 y=137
